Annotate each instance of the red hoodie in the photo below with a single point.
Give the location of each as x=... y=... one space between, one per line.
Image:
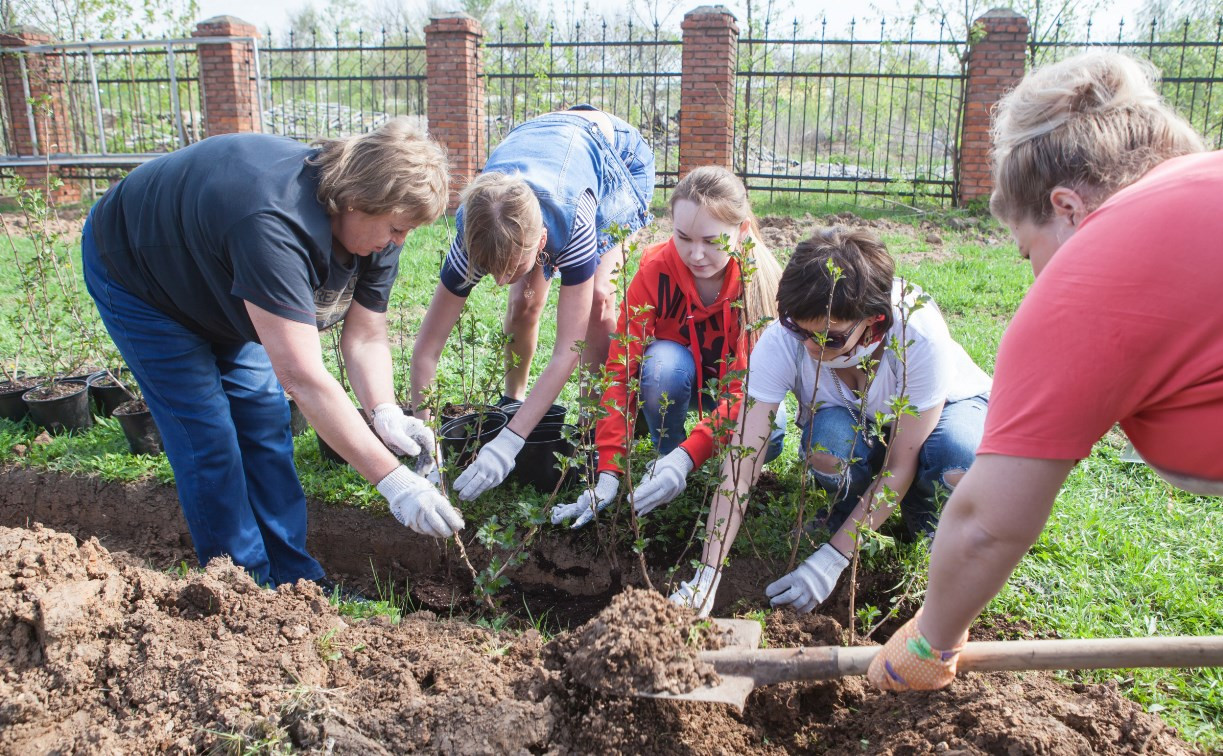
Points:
x=662 y=303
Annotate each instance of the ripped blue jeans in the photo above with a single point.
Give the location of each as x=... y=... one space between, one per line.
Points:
x=669 y=370
x=951 y=447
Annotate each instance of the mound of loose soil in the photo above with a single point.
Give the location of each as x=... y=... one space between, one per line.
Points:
x=99 y=654
x=640 y=643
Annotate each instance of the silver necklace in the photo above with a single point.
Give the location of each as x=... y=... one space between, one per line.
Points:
x=853 y=410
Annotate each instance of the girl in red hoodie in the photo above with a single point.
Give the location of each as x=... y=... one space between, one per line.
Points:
x=687 y=312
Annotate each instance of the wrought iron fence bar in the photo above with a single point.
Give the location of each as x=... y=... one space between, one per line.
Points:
x=178 y=110
x=97 y=100
x=851 y=75
x=128 y=44
x=611 y=43
x=845 y=42
x=29 y=103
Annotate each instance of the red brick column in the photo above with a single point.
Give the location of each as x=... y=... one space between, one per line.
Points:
x=707 y=88
x=995 y=65
x=47 y=92
x=455 y=86
x=227 y=77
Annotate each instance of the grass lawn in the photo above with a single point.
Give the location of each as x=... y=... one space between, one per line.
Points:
x=1124 y=554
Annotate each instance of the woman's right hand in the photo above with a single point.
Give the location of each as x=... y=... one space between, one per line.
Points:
x=665 y=479
x=591 y=502
x=418 y=505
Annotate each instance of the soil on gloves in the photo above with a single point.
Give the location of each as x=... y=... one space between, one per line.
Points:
x=640 y=643
x=99 y=654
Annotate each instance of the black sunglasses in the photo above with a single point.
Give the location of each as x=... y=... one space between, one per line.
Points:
x=832 y=339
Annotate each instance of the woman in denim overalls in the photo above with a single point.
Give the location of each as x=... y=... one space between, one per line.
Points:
x=545 y=203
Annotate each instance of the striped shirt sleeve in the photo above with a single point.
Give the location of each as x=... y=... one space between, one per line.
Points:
x=579 y=259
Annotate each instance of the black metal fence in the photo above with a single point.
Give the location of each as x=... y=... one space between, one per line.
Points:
x=871 y=115
x=326 y=87
x=1186 y=53
x=632 y=73
x=125 y=97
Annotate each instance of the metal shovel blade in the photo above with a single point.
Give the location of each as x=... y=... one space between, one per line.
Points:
x=743 y=670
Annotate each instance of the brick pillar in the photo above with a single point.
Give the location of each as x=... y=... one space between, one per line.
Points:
x=995 y=65
x=227 y=77
x=47 y=93
x=707 y=88
x=455 y=87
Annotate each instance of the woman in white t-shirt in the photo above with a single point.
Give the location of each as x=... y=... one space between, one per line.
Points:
x=886 y=398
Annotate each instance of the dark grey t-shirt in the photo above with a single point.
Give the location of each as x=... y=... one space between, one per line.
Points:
x=230 y=219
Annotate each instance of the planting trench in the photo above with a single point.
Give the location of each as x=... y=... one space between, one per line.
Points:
x=99 y=653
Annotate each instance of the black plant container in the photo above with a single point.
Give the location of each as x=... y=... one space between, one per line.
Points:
x=138 y=426
x=536 y=465
x=107 y=398
x=12 y=406
x=61 y=413
x=463 y=436
x=555 y=414
x=297 y=421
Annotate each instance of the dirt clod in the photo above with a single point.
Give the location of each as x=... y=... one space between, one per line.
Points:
x=640 y=643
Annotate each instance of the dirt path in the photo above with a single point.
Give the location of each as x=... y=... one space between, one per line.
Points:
x=100 y=654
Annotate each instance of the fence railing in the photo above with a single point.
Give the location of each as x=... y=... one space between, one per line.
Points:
x=865 y=116
x=320 y=87
x=636 y=77
x=125 y=100
x=873 y=113
x=1186 y=53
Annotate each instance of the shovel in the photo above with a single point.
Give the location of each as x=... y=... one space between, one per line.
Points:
x=743 y=667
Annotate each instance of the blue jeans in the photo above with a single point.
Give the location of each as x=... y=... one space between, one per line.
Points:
x=224 y=423
x=952 y=446
x=668 y=369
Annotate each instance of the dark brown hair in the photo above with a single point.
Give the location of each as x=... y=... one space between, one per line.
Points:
x=809 y=289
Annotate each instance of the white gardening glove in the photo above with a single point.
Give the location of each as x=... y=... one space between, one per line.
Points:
x=419 y=505
x=493 y=462
x=591 y=502
x=664 y=479
x=403 y=434
x=811 y=582
x=699 y=593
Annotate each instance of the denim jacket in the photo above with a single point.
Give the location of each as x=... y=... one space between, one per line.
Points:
x=561 y=156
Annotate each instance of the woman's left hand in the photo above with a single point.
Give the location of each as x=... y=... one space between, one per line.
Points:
x=493 y=463
x=403 y=434
x=811 y=583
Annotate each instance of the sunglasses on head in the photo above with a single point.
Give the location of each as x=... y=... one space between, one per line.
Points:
x=832 y=339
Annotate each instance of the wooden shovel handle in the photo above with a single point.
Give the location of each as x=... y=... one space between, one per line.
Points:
x=774 y=665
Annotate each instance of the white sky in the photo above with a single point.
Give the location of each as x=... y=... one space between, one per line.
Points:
x=275 y=13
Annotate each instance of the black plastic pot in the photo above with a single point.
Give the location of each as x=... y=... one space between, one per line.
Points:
x=328 y=454
x=449 y=413
x=555 y=414
x=297 y=421
x=463 y=436
x=536 y=465
x=138 y=427
x=12 y=406
x=61 y=413
x=106 y=398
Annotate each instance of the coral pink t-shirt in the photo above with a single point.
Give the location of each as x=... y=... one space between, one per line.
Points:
x=1124 y=325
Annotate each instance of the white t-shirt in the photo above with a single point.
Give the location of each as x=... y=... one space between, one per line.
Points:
x=938 y=369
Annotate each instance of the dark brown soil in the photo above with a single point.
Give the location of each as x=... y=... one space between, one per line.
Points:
x=21 y=384
x=100 y=654
x=640 y=643
x=132 y=407
x=56 y=390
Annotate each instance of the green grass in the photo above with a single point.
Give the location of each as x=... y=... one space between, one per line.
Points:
x=1124 y=554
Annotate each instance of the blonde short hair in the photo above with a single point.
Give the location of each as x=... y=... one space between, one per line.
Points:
x=501 y=222
x=396 y=168
x=1093 y=123
x=723 y=194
